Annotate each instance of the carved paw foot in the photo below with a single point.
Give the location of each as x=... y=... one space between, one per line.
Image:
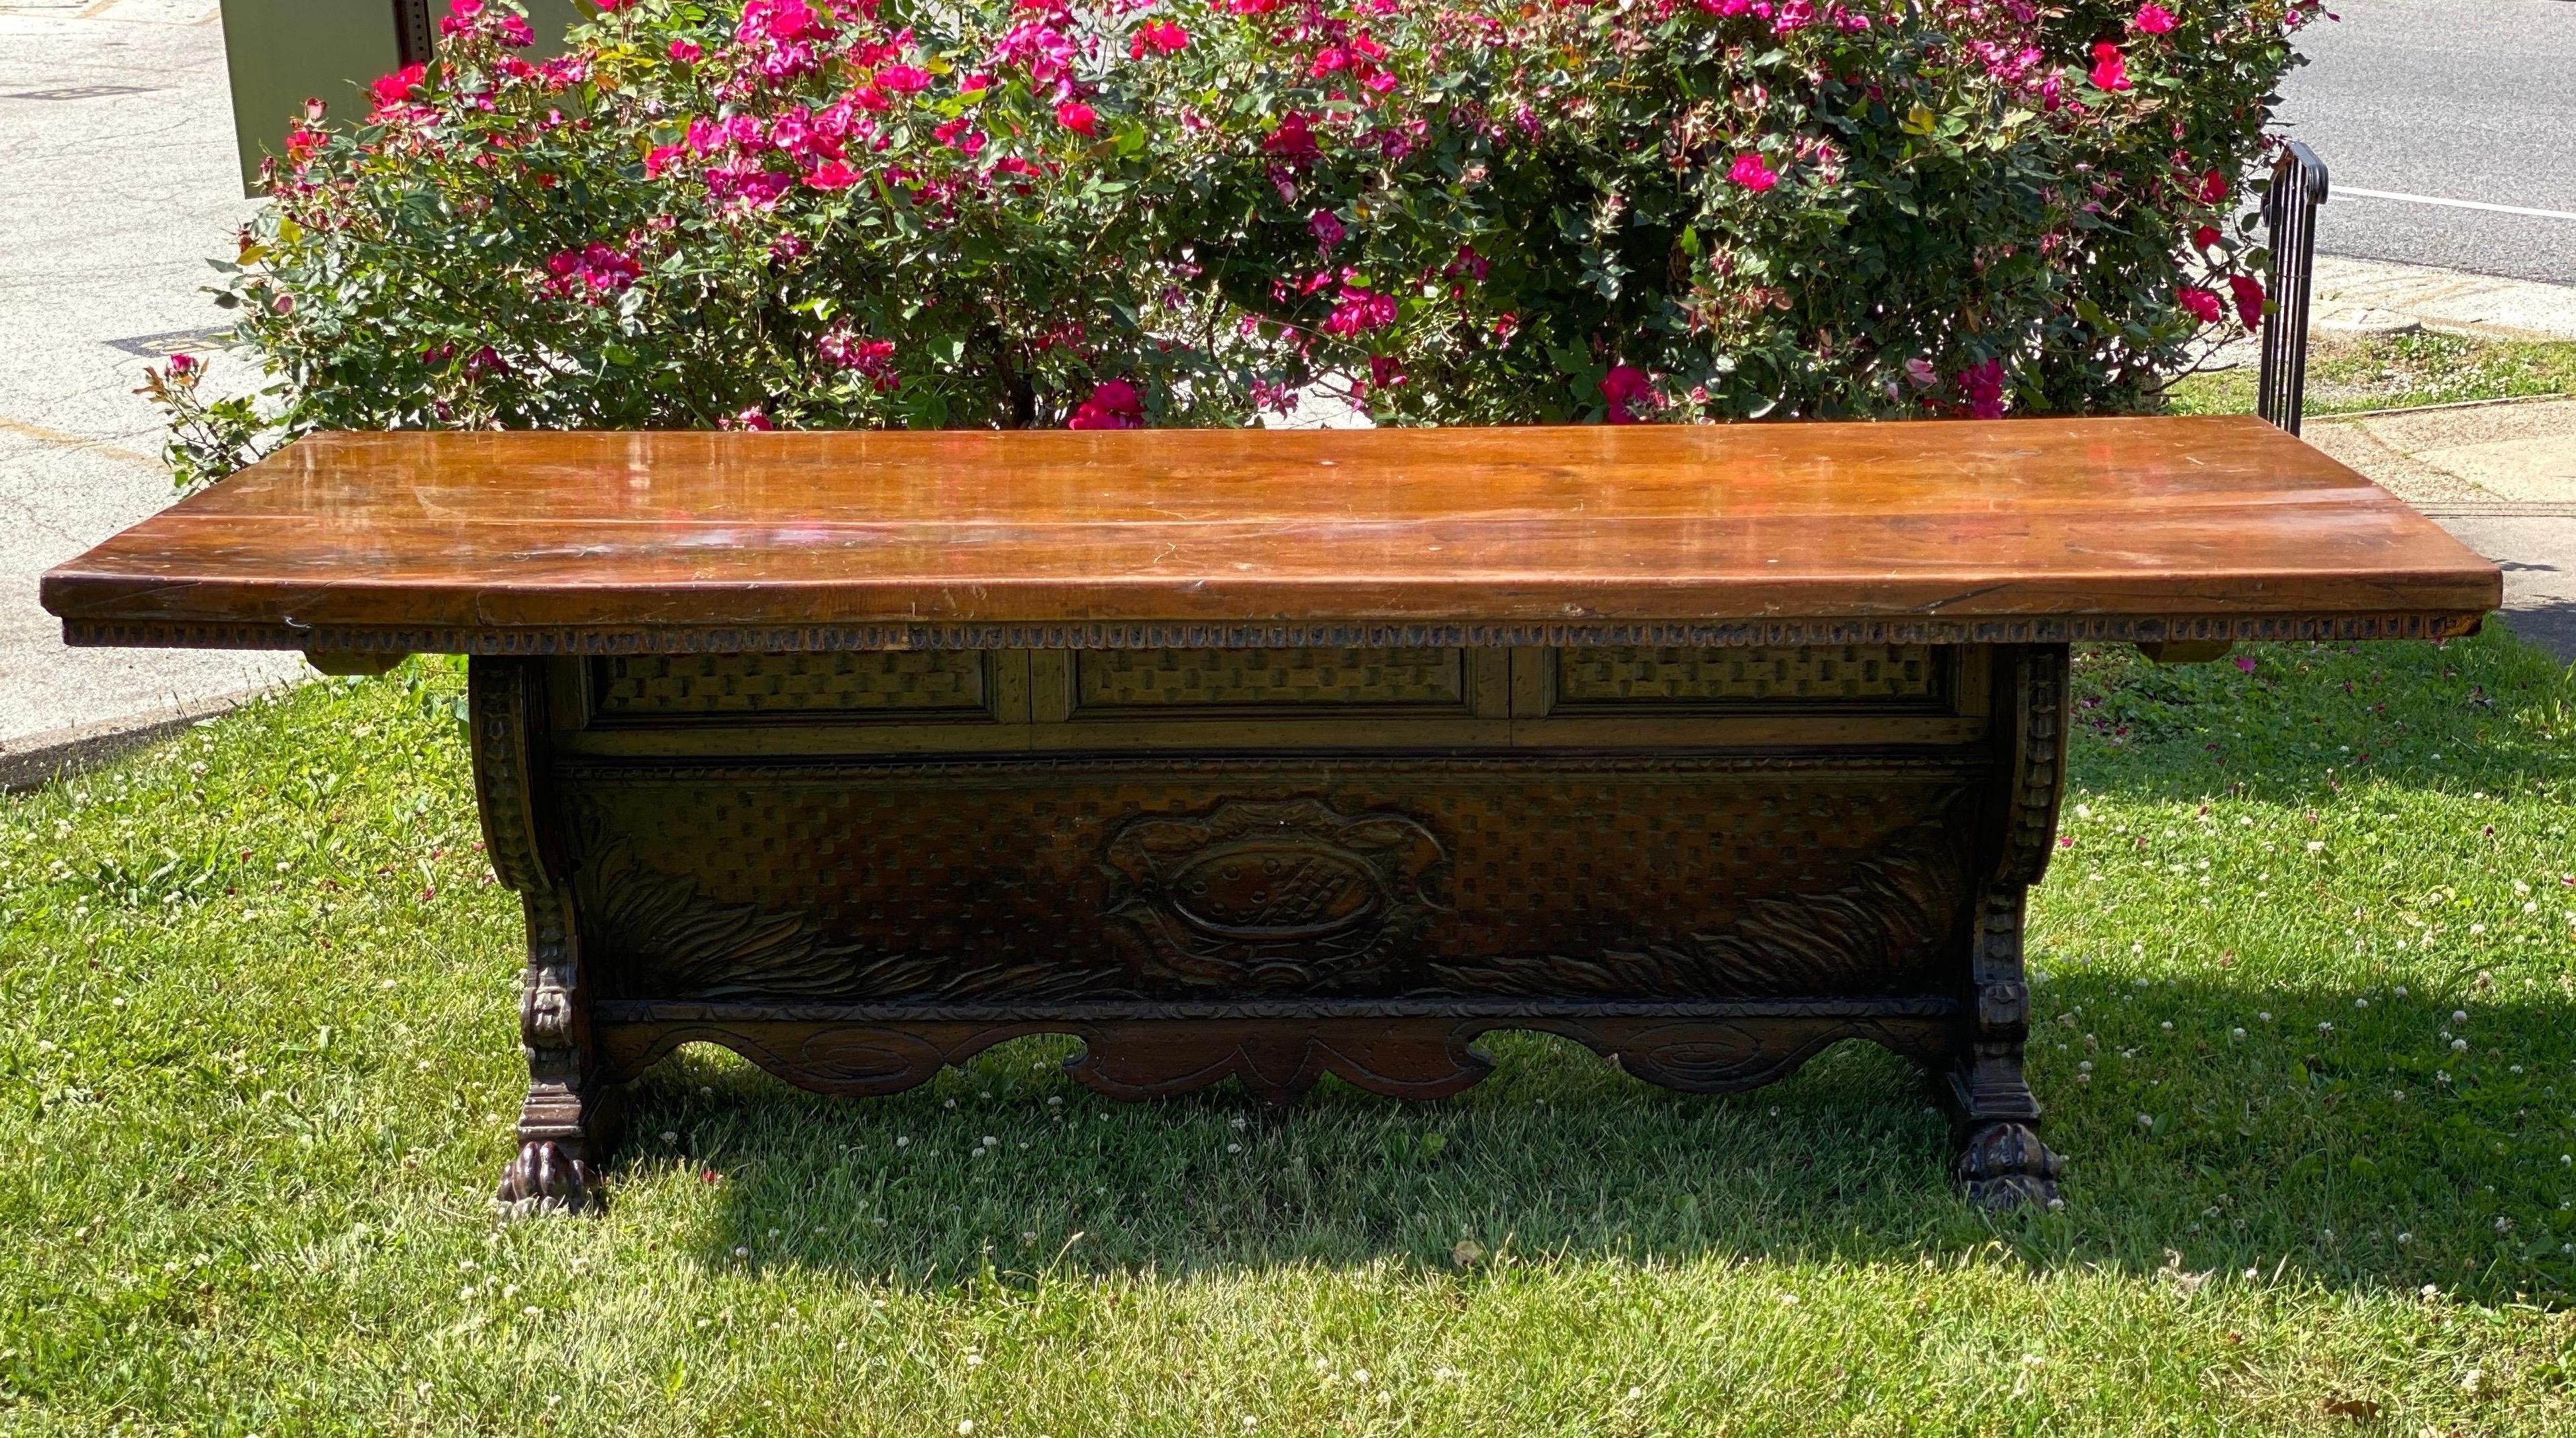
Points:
x=2004 y=1165
x=546 y=1178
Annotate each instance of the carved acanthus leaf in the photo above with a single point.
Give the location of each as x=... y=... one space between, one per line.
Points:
x=1880 y=932
x=666 y=940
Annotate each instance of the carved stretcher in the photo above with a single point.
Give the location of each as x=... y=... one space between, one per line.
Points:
x=1276 y=755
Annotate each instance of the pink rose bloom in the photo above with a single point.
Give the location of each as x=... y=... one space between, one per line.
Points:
x=831 y=175
x=2203 y=304
x=1983 y=385
x=2249 y=299
x=903 y=79
x=1294 y=140
x=2213 y=188
x=775 y=22
x=659 y=158
x=1752 y=174
x=753 y=418
x=1162 y=37
x=1082 y=120
x=2152 y=19
x=686 y=52
x=1115 y=405
x=2110 y=68
x=1623 y=386
x=872 y=359
x=1357 y=310
x=395 y=88
x=1327 y=229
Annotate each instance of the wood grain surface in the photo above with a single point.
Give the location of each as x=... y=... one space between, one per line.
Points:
x=1934 y=531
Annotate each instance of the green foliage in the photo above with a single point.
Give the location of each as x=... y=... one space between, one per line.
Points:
x=208 y=438
x=902 y=214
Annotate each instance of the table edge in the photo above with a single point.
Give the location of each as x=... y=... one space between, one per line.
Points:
x=563 y=640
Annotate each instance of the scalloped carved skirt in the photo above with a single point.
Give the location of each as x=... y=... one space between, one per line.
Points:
x=1272 y=865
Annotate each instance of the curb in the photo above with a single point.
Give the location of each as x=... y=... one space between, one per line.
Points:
x=2437 y=408
x=40 y=759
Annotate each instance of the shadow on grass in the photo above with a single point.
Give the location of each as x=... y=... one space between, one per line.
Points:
x=2287 y=1148
x=2306 y=720
x=2341 y=1137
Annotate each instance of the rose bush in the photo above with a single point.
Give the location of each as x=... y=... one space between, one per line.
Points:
x=1118 y=212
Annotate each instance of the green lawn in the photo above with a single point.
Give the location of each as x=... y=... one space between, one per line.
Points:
x=2347 y=373
x=2308 y=1034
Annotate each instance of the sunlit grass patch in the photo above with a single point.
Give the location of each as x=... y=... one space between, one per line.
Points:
x=2349 y=373
x=258 y=1054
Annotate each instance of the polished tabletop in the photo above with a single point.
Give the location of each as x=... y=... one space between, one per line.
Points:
x=549 y=542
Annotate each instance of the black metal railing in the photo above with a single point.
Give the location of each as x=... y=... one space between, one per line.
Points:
x=2290 y=225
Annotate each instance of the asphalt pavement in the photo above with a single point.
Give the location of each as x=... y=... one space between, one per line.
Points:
x=117 y=180
x=2459 y=100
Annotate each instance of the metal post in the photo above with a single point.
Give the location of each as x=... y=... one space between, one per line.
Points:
x=2290 y=222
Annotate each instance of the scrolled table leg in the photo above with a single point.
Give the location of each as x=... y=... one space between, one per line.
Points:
x=2002 y=1162
x=570 y=1119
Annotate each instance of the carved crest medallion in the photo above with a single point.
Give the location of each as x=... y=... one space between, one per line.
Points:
x=1286 y=897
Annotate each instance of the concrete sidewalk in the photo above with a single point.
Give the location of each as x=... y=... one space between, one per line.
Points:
x=117 y=181
x=2500 y=477
x=2373 y=295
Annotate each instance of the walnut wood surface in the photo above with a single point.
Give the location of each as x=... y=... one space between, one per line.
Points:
x=2013 y=531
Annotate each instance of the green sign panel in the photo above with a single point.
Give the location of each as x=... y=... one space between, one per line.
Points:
x=284 y=52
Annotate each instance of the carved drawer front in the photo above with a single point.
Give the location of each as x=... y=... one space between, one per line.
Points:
x=1163 y=679
x=1385 y=876
x=738 y=686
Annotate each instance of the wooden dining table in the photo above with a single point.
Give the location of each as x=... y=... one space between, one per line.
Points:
x=1274 y=755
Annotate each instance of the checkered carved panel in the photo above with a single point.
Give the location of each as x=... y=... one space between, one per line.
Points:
x=1173 y=678
x=1010 y=873
x=651 y=684
x=1827 y=673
